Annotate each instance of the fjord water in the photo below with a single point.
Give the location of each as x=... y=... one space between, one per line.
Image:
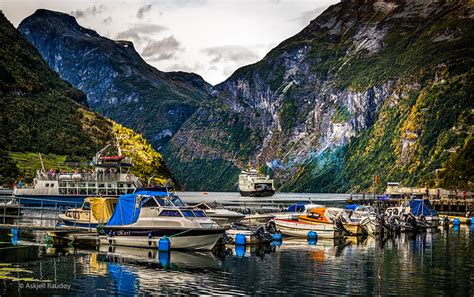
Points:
x=438 y=262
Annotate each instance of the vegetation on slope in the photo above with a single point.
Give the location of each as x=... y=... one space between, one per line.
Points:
x=40 y=113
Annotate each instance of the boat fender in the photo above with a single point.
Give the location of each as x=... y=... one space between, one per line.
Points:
x=456 y=222
x=240 y=239
x=312 y=235
x=277 y=237
x=164 y=244
x=149 y=239
x=111 y=241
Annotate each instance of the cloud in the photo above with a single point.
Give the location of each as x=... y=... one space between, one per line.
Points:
x=136 y=32
x=309 y=15
x=234 y=53
x=90 y=11
x=107 y=20
x=196 y=68
x=142 y=10
x=164 y=49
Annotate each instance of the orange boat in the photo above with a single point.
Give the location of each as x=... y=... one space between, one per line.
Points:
x=331 y=215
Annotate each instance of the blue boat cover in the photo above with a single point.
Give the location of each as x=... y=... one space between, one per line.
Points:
x=419 y=207
x=126 y=211
x=352 y=206
x=298 y=207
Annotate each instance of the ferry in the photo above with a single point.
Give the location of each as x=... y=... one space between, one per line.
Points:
x=253 y=184
x=109 y=177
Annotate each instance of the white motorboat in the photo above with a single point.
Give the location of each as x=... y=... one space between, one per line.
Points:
x=143 y=218
x=299 y=229
x=219 y=214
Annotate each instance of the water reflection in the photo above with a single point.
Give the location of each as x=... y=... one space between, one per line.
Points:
x=438 y=262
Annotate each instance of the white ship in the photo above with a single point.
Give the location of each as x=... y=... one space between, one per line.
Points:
x=109 y=177
x=253 y=184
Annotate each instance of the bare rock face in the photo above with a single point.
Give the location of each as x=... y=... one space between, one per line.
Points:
x=116 y=80
x=349 y=97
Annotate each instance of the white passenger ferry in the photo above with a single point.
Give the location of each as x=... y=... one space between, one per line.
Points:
x=106 y=176
x=253 y=184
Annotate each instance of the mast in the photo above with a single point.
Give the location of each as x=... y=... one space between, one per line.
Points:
x=42 y=164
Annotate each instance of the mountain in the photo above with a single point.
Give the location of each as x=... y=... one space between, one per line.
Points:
x=118 y=83
x=368 y=88
x=41 y=113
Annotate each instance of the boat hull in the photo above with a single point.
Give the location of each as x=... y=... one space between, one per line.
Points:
x=298 y=229
x=50 y=200
x=263 y=193
x=192 y=239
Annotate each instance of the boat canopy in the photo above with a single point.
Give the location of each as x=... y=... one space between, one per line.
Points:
x=420 y=207
x=352 y=206
x=298 y=207
x=102 y=208
x=128 y=207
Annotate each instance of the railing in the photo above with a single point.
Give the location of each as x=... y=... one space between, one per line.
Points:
x=43 y=216
x=99 y=177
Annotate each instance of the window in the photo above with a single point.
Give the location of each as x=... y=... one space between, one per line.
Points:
x=111 y=191
x=122 y=191
x=101 y=185
x=177 y=202
x=199 y=213
x=92 y=191
x=62 y=184
x=187 y=213
x=170 y=213
x=91 y=185
x=130 y=191
x=47 y=185
x=102 y=192
x=51 y=185
x=72 y=191
x=82 y=185
x=62 y=191
x=83 y=191
x=149 y=202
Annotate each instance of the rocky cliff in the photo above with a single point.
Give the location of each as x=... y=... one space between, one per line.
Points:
x=367 y=88
x=41 y=113
x=116 y=80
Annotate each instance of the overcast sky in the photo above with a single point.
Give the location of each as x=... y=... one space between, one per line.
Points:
x=209 y=37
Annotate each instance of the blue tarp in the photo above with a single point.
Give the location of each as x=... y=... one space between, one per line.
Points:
x=125 y=212
x=420 y=207
x=352 y=206
x=298 y=207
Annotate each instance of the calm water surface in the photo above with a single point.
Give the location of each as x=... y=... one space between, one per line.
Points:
x=432 y=263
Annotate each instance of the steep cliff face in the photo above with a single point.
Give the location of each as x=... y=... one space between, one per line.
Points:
x=41 y=113
x=116 y=80
x=367 y=88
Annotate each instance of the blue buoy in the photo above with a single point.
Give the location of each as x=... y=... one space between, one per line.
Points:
x=164 y=244
x=456 y=222
x=240 y=251
x=164 y=258
x=277 y=237
x=275 y=243
x=240 y=239
x=312 y=235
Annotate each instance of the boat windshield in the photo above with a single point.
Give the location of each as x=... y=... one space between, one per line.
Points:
x=187 y=213
x=199 y=213
x=176 y=201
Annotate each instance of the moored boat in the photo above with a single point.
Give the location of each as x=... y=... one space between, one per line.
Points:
x=332 y=216
x=143 y=218
x=94 y=211
x=106 y=176
x=219 y=214
x=299 y=229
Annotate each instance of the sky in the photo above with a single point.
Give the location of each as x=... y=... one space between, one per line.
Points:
x=212 y=38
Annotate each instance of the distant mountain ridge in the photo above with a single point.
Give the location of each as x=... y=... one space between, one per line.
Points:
x=41 y=113
x=368 y=88
x=117 y=81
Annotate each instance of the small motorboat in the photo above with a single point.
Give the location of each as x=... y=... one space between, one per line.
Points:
x=366 y=216
x=299 y=229
x=94 y=211
x=253 y=235
x=424 y=213
x=219 y=214
x=143 y=218
x=332 y=216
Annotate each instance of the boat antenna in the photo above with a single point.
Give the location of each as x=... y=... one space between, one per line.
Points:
x=42 y=164
x=118 y=145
